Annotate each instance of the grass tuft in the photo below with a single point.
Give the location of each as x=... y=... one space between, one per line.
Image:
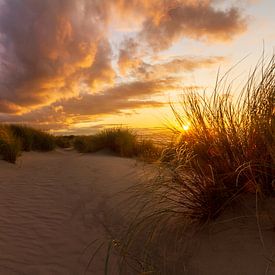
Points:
x=229 y=148
x=32 y=139
x=9 y=145
x=16 y=138
x=227 y=151
x=123 y=142
x=65 y=141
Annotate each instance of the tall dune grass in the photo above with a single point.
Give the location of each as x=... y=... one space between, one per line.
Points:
x=228 y=151
x=32 y=139
x=122 y=141
x=9 y=145
x=17 y=138
x=64 y=141
x=229 y=148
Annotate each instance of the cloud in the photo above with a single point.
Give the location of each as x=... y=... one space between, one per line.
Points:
x=49 y=49
x=193 y=19
x=128 y=56
x=174 y=20
x=101 y=72
x=175 y=66
x=125 y=96
x=57 y=60
x=114 y=100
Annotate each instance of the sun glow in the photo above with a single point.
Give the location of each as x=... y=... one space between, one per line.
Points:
x=185 y=127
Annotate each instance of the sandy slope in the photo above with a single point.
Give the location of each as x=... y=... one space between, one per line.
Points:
x=53 y=205
x=50 y=210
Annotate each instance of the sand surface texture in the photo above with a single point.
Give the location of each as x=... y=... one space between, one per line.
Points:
x=52 y=212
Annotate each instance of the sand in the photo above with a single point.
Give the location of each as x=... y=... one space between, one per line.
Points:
x=56 y=208
x=50 y=210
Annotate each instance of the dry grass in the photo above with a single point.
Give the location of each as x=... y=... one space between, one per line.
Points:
x=32 y=139
x=9 y=145
x=17 y=138
x=65 y=141
x=229 y=148
x=122 y=141
x=227 y=151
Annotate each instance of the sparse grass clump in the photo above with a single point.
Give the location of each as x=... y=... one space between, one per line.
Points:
x=147 y=150
x=122 y=142
x=83 y=144
x=65 y=141
x=32 y=139
x=9 y=145
x=17 y=138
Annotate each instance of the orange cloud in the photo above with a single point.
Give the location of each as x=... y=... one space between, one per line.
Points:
x=193 y=19
x=49 y=49
x=175 y=66
x=125 y=96
x=128 y=58
x=53 y=52
x=115 y=100
x=174 y=20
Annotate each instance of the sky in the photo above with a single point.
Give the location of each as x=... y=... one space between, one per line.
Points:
x=77 y=66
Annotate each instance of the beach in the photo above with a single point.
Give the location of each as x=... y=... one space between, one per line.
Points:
x=51 y=206
x=56 y=208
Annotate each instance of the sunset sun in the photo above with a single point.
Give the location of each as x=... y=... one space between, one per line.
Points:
x=186 y=127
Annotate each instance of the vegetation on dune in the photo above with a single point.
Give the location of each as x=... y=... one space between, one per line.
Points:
x=226 y=151
x=32 y=139
x=17 y=138
x=65 y=141
x=120 y=141
x=9 y=145
x=123 y=142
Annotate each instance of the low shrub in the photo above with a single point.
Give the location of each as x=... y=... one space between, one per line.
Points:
x=120 y=141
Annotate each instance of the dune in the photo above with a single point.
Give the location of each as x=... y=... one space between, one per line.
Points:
x=56 y=208
x=50 y=210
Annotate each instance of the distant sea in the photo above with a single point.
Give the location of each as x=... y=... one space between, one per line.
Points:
x=157 y=135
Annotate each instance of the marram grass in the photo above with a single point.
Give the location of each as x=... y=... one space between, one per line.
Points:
x=227 y=151
x=16 y=138
x=122 y=141
x=32 y=139
x=229 y=147
x=9 y=145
